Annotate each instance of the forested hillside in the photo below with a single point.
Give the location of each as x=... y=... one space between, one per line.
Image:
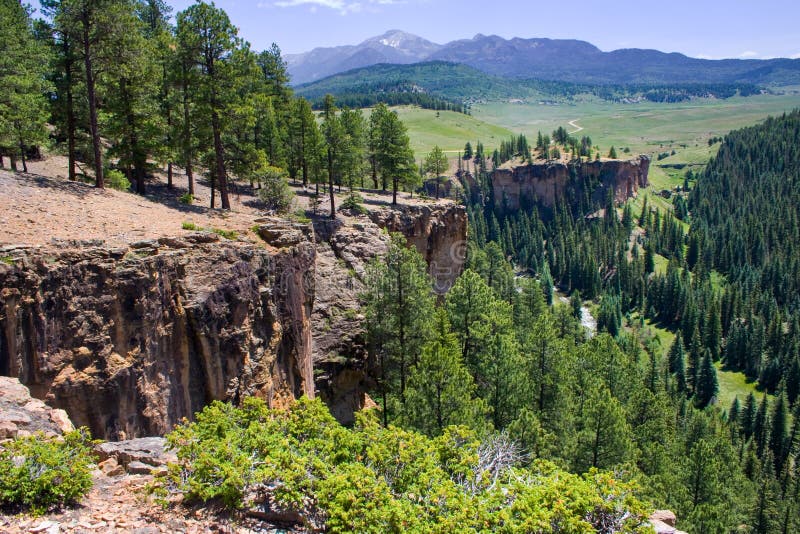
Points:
x=746 y=224
x=743 y=214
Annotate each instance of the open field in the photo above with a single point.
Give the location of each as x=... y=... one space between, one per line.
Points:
x=644 y=127
x=449 y=130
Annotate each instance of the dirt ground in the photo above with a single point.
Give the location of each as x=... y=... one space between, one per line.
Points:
x=42 y=205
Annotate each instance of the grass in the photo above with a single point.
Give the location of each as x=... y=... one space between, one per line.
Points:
x=646 y=127
x=8 y=260
x=448 y=129
x=734 y=384
x=227 y=234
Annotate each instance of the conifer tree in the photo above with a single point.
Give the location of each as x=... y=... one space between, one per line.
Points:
x=440 y=389
x=399 y=305
x=435 y=165
x=207 y=40
x=707 y=385
x=23 y=111
x=604 y=439
x=779 y=432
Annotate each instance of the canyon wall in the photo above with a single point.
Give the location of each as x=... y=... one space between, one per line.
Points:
x=129 y=340
x=544 y=183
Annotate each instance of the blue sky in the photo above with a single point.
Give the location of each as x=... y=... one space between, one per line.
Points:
x=698 y=28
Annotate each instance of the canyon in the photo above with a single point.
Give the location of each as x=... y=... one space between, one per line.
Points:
x=131 y=337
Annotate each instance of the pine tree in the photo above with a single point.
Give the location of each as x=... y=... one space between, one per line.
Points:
x=604 y=439
x=707 y=385
x=399 y=308
x=779 y=432
x=761 y=427
x=94 y=26
x=440 y=389
x=135 y=124
x=747 y=420
x=467 y=303
x=207 y=39
x=305 y=139
x=335 y=142
x=677 y=362
x=435 y=165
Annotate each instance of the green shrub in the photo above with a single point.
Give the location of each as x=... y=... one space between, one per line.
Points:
x=116 y=180
x=186 y=198
x=376 y=479
x=355 y=203
x=190 y=226
x=39 y=473
x=227 y=234
x=275 y=192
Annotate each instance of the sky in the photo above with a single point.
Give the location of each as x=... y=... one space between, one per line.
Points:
x=699 y=28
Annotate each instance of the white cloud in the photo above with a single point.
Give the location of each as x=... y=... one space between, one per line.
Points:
x=342 y=6
x=749 y=54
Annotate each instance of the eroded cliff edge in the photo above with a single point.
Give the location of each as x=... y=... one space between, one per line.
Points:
x=544 y=183
x=129 y=340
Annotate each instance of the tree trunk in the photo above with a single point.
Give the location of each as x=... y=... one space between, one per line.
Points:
x=136 y=157
x=169 y=175
x=13 y=159
x=22 y=156
x=374 y=171
x=394 y=192
x=70 y=113
x=220 y=162
x=92 y=97
x=213 y=174
x=330 y=183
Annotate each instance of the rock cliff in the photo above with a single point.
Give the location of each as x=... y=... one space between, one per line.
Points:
x=545 y=183
x=129 y=340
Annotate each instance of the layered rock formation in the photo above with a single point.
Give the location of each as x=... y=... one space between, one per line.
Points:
x=130 y=340
x=545 y=183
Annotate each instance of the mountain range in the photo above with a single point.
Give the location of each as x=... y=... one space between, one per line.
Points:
x=545 y=59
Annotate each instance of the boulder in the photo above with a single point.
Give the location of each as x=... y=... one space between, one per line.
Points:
x=148 y=451
x=21 y=415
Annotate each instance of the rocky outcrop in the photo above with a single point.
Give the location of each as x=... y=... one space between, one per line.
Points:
x=437 y=231
x=130 y=340
x=22 y=415
x=546 y=183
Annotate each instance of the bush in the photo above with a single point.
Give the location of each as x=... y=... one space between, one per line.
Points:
x=275 y=192
x=300 y=461
x=39 y=473
x=190 y=226
x=116 y=180
x=355 y=203
x=186 y=198
x=227 y=234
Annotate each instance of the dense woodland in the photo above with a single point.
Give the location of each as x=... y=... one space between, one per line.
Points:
x=728 y=292
x=498 y=368
x=127 y=93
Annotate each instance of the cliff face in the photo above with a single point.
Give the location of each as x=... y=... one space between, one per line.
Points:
x=545 y=183
x=129 y=340
x=438 y=232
